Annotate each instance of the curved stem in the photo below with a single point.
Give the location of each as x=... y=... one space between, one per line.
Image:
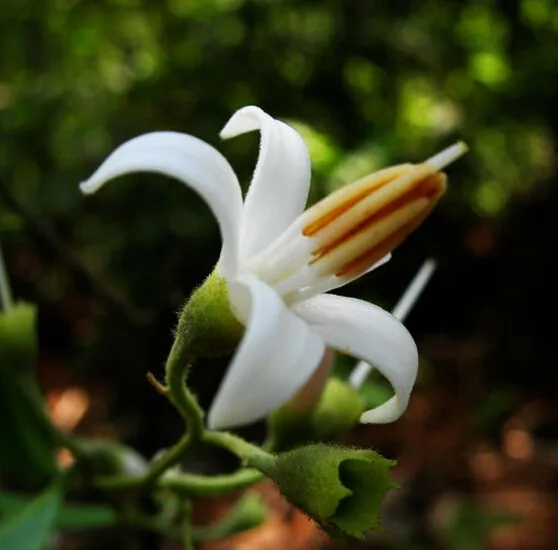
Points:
x=169 y=459
x=184 y=483
x=186 y=404
x=179 y=394
x=206 y=486
x=251 y=454
x=193 y=484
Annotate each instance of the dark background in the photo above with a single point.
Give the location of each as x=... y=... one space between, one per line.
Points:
x=367 y=83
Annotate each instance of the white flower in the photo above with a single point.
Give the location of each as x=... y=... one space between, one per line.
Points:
x=278 y=260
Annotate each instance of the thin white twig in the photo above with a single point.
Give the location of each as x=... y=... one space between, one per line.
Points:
x=400 y=311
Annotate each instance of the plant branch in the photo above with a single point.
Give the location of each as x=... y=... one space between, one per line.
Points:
x=251 y=455
x=186 y=484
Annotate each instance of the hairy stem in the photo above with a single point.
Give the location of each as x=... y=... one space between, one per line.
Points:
x=252 y=455
x=187 y=484
x=186 y=404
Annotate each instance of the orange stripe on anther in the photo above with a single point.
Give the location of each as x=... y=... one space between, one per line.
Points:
x=340 y=201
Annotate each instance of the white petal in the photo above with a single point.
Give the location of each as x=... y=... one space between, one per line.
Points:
x=327 y=283
x=191 y=161
x=277 y=355
x=403 y=307
x=279 y=187
x=342 y=281
x=368 y=332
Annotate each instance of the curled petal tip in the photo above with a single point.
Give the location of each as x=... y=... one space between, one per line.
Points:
x=244 y=120
x=369 y=417
x=447 y=156
x=226 y=132
x=389 y=412
x=88 y=187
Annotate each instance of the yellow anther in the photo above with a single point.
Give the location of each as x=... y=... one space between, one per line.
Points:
x=359 y=224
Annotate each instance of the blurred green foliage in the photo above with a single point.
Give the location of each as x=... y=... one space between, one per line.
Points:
x=29 y=528
x=27 y=445
x=367 y=83
x=468 y=526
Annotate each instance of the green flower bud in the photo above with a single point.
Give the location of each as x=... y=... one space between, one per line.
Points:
x=338 y=410
x=341 y=488
x=207 y=326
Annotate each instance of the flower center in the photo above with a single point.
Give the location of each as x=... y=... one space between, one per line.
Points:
x=351 y=230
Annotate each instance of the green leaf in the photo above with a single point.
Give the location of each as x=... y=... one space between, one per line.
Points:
x=27 y=440
x=71 y=517
x=83 y=517
x=27 y=444
x=29 y=528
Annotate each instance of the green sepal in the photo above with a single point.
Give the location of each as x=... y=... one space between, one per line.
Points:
x=28 y=439
x=341 y=488
x=207 y=326
x=337 y=411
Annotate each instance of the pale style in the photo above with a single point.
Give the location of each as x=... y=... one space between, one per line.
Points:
x=278 y=260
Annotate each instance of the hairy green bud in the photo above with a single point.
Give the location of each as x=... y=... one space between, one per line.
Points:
x=341 y=488
x=207 y=326
x=338 y=411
